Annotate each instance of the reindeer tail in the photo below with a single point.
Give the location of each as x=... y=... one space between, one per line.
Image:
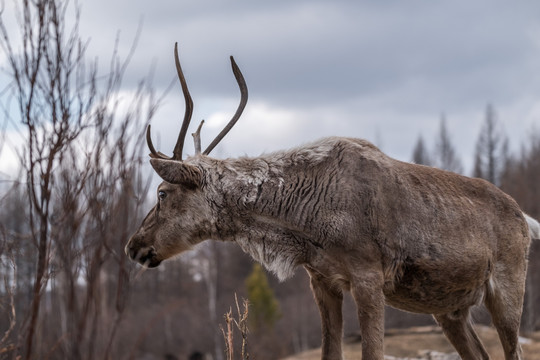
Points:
x=534 y=227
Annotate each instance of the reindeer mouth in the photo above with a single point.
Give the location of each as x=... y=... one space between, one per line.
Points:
x=149 y=261
x=147 y=256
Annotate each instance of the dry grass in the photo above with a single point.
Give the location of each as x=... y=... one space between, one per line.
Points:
x=414 y=341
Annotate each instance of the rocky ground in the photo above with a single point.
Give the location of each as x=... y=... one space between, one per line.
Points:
x=428 y=343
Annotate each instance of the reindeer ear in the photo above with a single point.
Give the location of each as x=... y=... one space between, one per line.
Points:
x=176 y=172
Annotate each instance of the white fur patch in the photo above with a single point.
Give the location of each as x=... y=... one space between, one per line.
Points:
x=281 y=266
x=534 y=227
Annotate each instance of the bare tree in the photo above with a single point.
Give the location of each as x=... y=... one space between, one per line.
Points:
x=205 y=265
x=445 y=151
x=80 y=167
x=53 y=94
x=420 y=153
x=491 y=149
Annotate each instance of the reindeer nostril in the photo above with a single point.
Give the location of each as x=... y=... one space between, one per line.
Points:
x=145 y=255
x=141 y=255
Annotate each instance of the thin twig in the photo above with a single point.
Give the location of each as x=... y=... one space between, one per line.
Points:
x=241 y=324
x=228 y=336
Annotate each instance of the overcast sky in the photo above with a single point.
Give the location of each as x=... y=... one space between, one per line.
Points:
x=380 y=70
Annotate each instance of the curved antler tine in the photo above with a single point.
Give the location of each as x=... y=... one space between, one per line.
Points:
x=178 y=148
x=243 y=101
x=153 y=153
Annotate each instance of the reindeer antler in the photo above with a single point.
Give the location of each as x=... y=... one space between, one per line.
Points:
x=243 y=101
x=178 y=148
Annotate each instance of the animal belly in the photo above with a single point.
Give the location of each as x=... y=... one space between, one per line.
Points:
x=432 y=290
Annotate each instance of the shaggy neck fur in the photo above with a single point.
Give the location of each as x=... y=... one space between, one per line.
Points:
x=276 y=207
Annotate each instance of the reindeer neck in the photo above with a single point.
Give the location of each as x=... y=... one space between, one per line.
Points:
x=249 y=209
x=268 y=206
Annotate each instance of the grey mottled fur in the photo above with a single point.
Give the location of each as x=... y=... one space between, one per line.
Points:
x=414 y=237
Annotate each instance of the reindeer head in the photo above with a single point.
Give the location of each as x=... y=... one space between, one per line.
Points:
x=182 y=216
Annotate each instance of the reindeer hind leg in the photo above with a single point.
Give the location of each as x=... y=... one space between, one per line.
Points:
x=457 y=327
x=504 y=300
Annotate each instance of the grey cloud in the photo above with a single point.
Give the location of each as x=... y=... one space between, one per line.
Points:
x=390 y=67
x=296 y=53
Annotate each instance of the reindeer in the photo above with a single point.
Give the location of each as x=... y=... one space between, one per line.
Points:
x=414 y=237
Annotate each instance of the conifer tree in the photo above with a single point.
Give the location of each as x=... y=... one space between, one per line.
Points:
x=264 y=307
x=445 y=151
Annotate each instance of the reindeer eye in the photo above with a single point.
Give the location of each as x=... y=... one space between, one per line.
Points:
x=162 y=194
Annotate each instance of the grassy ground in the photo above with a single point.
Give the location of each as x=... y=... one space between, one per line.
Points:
x=413 y=342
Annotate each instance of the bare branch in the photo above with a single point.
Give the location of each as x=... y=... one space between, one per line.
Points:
x=9 y=291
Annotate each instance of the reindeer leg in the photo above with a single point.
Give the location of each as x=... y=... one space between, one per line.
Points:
x=504 y=302
x=329 y=299
x=369 y=298
x=458 y=329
